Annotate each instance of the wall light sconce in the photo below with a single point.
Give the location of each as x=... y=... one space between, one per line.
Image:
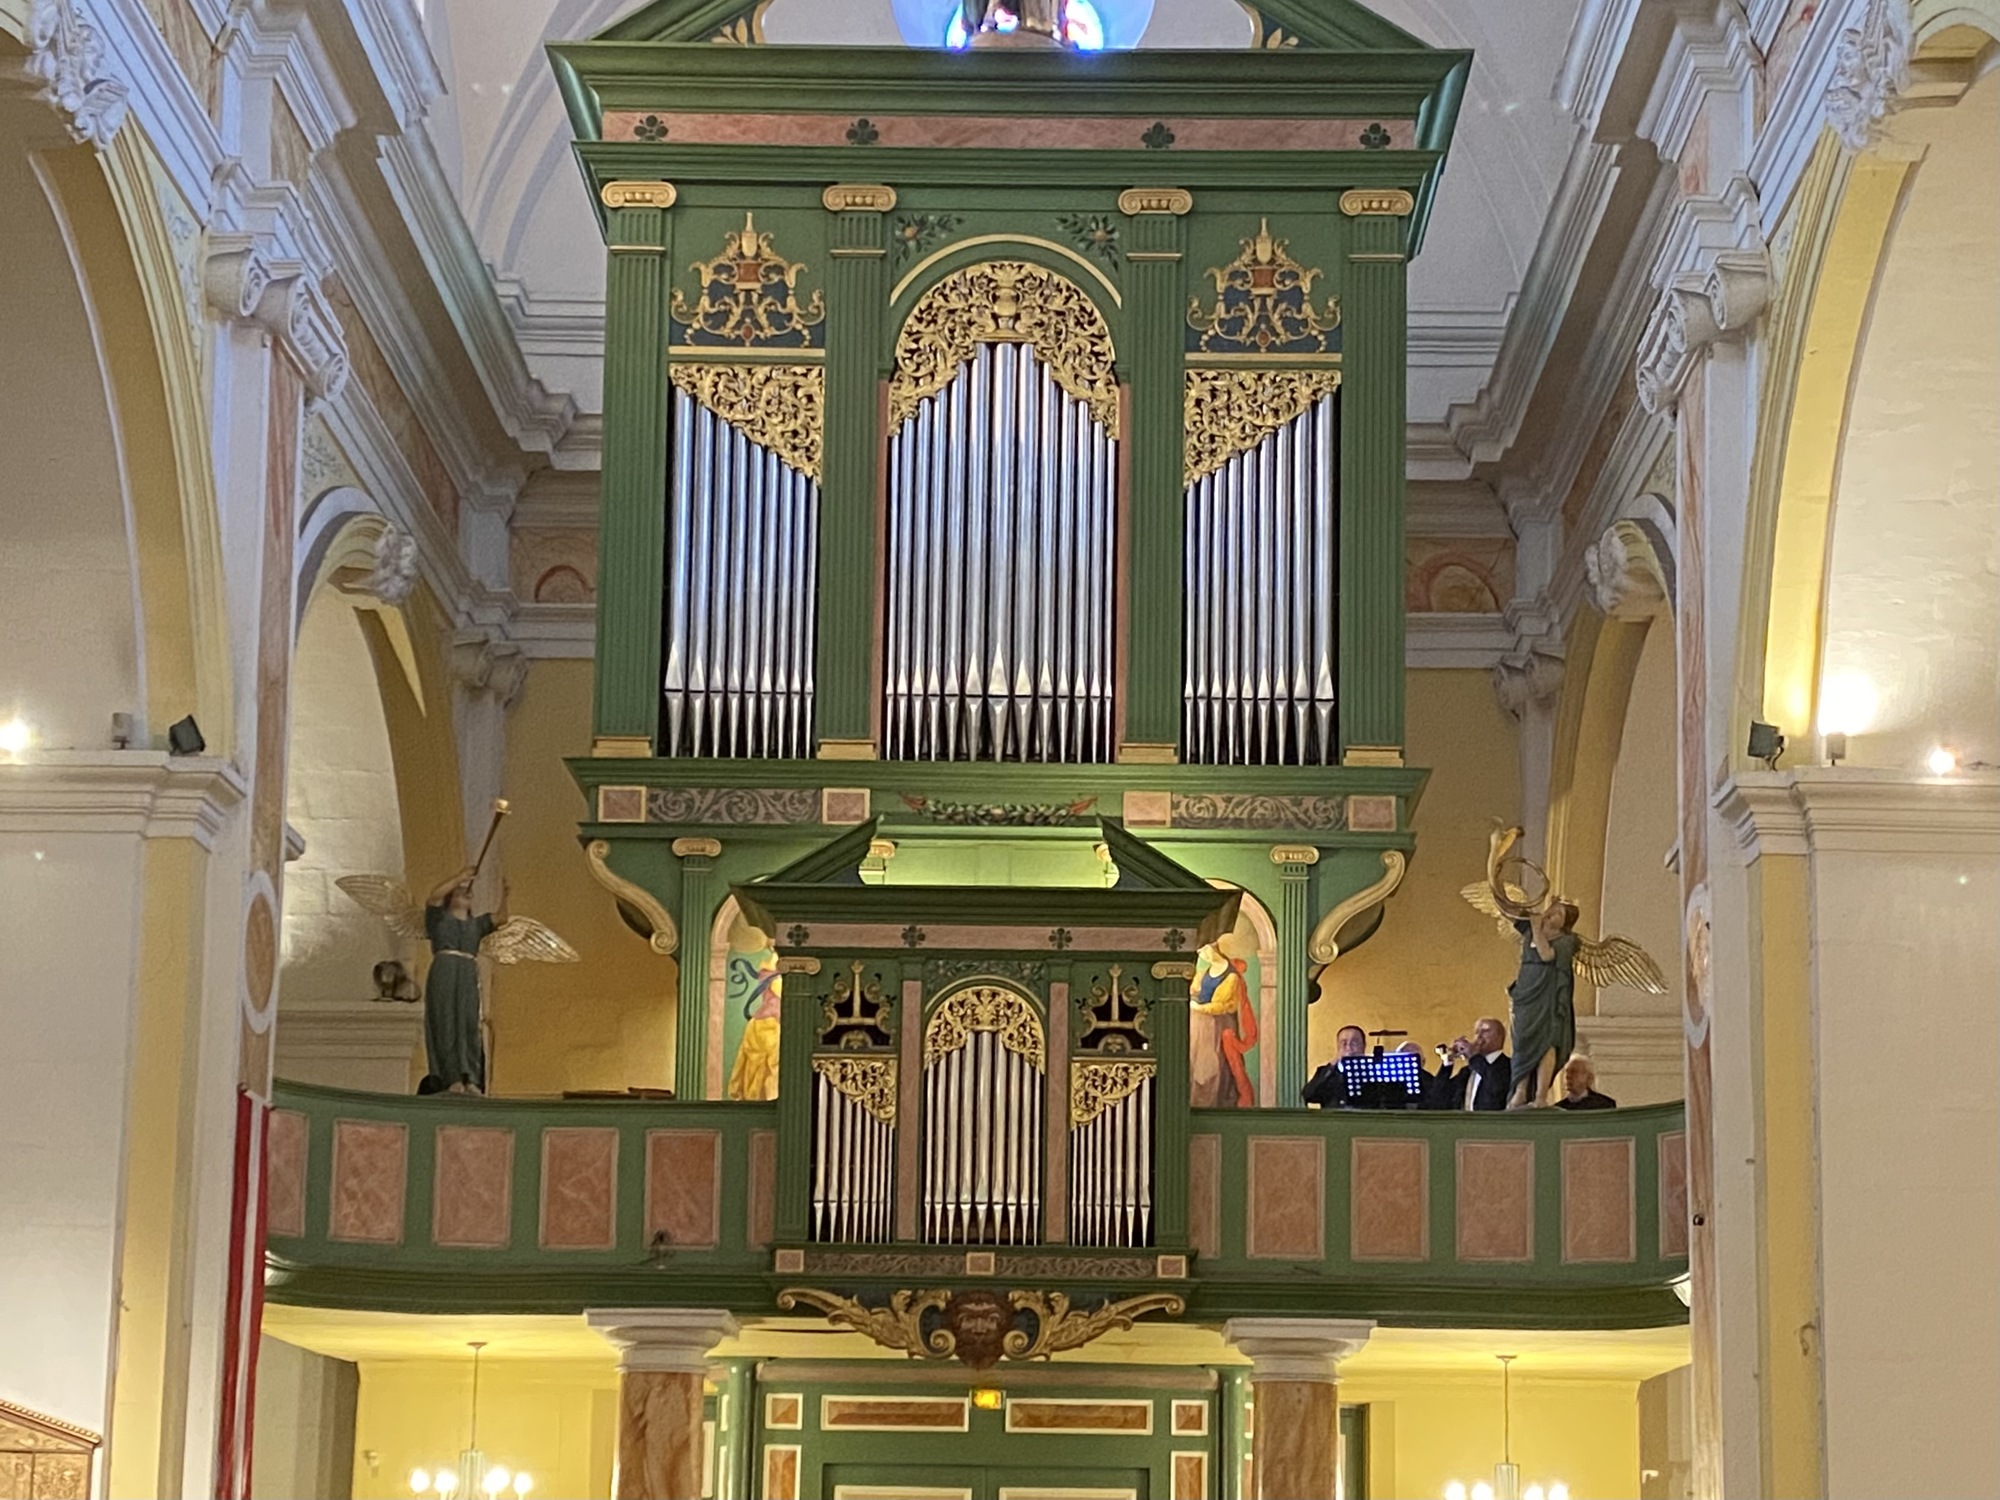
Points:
x=1766 y=743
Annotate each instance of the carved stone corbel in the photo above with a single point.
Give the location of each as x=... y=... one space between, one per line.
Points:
x=1626 y=574
x=1525 y=680
x=1871 y=73
x=480 y=664
x=66 y=57
x=395 y=572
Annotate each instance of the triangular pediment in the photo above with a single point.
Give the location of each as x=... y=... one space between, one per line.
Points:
x=25 y=1431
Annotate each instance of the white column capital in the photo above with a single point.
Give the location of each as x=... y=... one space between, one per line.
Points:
x=1309 y=1349
x=672 y=1340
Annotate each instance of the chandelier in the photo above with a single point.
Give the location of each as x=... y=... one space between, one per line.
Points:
x=471 y=1477
x=1506 y=1483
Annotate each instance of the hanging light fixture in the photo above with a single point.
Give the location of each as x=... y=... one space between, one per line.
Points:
x=1506 y=1483
x=472 y=1478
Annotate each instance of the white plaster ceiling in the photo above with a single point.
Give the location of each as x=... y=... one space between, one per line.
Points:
x=503 y=134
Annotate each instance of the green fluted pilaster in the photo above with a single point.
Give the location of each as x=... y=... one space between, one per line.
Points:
x=632 y=517
x=857 y=302
x=1294 y=926
x=798 y=1027
x=1149 y=360
x=697 y=915
x=1372 y=445
x=733 y=1446
x=1232 y=1397
x=1169 y=1028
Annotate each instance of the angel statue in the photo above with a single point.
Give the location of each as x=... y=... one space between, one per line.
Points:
x=452 y=1043
x=1543 y=994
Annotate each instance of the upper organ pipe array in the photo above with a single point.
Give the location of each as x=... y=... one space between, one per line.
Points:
x=742 y=560
x=1002 y=499
x=1261 y=601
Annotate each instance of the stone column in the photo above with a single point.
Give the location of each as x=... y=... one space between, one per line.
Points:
x=662 y=1358
x=1295 y=1397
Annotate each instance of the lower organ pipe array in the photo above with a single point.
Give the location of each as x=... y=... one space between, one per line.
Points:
x=854 y=1167
x=1111 y=1171
x=1262 y=599
x=983 y=1109
x=742 y=557
x=1002 y=496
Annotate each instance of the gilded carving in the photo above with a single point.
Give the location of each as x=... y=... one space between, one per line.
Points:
x=781 y=407
x=1370 y=202
x=1227 y=412
x=729 y=804
x=869 y=1081
x=1137 y=201
x=985 y=1007
x=1323 y=947
x=1005 y=301
x=639 y=907
x=749 y=295
x=1263 y=302
x=858 y=197
x=638 y=194
x=1254 y=810
x=979 y=1327
x=1094 y=1085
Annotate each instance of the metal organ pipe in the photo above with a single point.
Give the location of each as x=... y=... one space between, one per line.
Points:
x=1261 y=585
x=1111 y=1171
x=982 y=1145
x=1001 y=518
x=742 y=557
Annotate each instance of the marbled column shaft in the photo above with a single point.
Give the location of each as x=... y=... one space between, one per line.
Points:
x=659 y=1436
x=1297 y=1441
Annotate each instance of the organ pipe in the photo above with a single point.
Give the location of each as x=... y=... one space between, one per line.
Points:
x=1261 y=585
x=1001 y=548
x=742 y=560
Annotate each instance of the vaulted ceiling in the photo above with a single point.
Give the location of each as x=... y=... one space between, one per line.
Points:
x=504 y=138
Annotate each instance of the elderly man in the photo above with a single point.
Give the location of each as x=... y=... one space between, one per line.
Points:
x=1328 y=1087
x=1580 y=1086
x=1488 y=1074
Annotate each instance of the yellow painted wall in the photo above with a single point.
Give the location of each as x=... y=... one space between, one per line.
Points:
x=556 y=1419
x=1642 y=897
x=1426 y=1430
x=604 y=1023
x=1435 y=965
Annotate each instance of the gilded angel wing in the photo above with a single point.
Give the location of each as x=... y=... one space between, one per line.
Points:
x=1479 y=896
x=388 y=899
x=524 y=940
x=1618 y=960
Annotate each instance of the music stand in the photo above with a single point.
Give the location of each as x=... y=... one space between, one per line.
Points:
x=1391 y=1080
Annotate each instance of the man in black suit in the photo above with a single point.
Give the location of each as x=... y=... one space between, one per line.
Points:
x=1328 y=1087
x=1488 y=1074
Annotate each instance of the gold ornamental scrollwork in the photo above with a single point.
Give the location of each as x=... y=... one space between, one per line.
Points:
x=985 y=1007
x=636 y=904
x=1323 y=946
x=977 y=1326
x=1373 y=202
x=780 y=406
x=1227 y=412
x=638 y=194
x=1094 y=1086
x=1005 y=301
x=1263 y=302
x=749 y=296
x=869 y=1081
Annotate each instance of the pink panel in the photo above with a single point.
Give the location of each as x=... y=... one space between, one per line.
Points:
x=579 y=1188
x=1496 y=1200
x=472 y=1194
x=684 y=1186
x=286 y=1208
x=370 y=1167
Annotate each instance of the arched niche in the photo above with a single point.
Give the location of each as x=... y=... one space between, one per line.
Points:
x=1252 y=943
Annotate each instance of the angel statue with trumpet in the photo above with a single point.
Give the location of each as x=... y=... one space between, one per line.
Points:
x=453 y=1047
x=1542 y=998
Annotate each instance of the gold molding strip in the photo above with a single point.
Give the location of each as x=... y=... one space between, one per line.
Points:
x=665 y=937
x=1227 y=412
x=1323 y=946
x=779 y=406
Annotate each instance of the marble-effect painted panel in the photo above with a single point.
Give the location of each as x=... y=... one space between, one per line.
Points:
x=1599 y=1219
x=1287 y=1191
x=370 y=1168
x=1389 y=1200
x=1496 y=1201
x=472 y=1195
x=285 y=1208
x=579 y=1209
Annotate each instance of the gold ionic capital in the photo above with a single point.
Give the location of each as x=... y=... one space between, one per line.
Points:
x=1377 y=203
x=697 y=848
x=798 y=963
x=1137 y=201
x=1373 y=755
x=638 y=194
x=859 y=198
x=1294 y=854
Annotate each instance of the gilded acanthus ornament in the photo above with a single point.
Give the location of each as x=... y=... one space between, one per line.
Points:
x=985 y=1007
x=977 y=1326
x=1227 y=412
x=1005 y=301
x=869 y=1081
x=1094 y=1085
x=749 y=296
x=781 y=407
x=1263 y=303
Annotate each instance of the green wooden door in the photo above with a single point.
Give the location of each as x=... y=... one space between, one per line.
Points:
x=892 y=1481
